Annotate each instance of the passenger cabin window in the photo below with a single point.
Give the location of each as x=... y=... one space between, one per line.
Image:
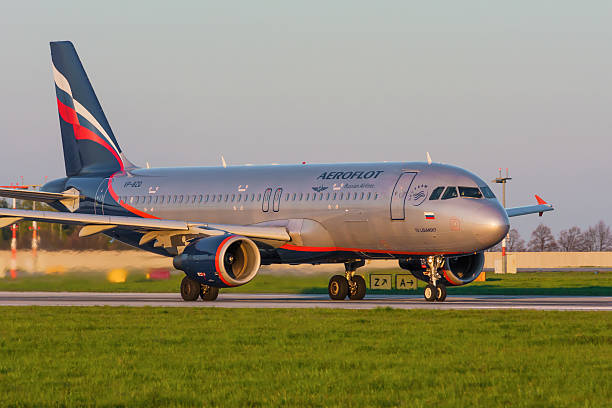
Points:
x=487 y=192
x=436 y=193
x=470 y=192
x=451 y=192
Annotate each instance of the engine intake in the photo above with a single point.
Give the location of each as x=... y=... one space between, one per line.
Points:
x=223 y=261
x=457 y=271
x=462 y=270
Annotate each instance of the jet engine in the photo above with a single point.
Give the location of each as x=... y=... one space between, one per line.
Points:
x=221 y=261
x=457 y=271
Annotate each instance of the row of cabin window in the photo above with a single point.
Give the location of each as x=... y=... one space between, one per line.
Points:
x=180 y=199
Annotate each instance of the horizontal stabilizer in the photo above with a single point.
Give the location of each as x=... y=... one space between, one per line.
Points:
x=41 y=196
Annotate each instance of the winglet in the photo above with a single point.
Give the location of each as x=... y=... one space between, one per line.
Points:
x=540 y=200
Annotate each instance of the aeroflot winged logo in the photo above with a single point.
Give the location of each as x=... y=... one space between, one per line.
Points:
x=350 y=175
x=318 y=189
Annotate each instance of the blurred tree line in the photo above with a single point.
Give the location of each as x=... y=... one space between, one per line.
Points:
x=596 y=238
x=53 y=236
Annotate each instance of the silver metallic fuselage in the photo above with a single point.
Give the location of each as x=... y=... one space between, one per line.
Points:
x=387 y=213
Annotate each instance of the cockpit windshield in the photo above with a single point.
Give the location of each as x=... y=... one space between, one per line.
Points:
x=471 y=192
x=451 y=192
x=487 y=192
x=466 y=192
x=436 y=193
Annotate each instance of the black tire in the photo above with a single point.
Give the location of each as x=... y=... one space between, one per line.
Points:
x=209 y=293
x=361 y=288
x=441 y=293
x=190 y=289
x=430 y=292
x=338 y=287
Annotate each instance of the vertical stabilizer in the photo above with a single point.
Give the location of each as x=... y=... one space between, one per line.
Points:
x=90 y=147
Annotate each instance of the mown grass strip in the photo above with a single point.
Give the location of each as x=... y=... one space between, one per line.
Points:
x=216 y=357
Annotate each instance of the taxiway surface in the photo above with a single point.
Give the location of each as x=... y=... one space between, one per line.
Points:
x=279 y=300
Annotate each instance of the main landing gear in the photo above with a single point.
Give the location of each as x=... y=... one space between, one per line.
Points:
x=351 y=285
x=434 y=291
x=191 y=290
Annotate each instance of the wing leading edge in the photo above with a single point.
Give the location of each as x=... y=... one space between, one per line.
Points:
x=151 y=227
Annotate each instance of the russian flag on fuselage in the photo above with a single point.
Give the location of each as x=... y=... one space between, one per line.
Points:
x=89 y=144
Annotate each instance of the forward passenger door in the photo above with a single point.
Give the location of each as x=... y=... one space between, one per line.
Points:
x=398 y=197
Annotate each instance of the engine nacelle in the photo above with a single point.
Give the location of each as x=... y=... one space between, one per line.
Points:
x=457 y=271
x=222 y=261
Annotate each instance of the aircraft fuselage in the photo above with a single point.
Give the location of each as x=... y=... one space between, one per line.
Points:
x=363 y=210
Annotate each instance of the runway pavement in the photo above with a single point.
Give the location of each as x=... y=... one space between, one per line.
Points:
x=278 y=300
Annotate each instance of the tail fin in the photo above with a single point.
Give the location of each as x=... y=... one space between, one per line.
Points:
x=89 y=144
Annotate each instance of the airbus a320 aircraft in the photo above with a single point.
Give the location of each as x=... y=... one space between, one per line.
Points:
x=220 y=224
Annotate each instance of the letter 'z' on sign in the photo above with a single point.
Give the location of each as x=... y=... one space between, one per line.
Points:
x=380 y=281
x=405 y=282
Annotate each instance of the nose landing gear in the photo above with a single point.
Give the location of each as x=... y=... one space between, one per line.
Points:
x=434 y=291
x=351 y=285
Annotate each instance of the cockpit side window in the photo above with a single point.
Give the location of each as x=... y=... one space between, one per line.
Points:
x=487 y=192
x=471 y=192
x=451 y=192
x=436 y=193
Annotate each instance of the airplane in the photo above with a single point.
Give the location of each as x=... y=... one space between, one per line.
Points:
x=220 y=224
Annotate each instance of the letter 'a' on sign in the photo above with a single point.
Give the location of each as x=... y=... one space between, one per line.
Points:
x=380 y=281
x=405 y=282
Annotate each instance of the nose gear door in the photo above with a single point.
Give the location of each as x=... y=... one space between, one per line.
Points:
x=398 y=197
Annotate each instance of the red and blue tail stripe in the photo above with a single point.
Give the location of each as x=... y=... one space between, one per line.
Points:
x=90 y=147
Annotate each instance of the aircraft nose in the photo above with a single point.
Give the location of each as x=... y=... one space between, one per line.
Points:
x=494 y=225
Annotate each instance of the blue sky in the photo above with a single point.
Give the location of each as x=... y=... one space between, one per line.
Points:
x=480 y=84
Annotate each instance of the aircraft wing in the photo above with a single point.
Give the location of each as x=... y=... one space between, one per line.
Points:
x=540 y=208
x=153 y=229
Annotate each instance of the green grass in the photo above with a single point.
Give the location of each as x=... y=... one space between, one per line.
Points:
x=147 y=357
x=528 y=283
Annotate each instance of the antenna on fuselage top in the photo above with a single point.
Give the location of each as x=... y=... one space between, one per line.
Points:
x=223 y=161
x=428 y=158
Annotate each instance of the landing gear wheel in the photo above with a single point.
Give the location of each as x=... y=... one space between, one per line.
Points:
x=209 y=293
x=430 y=293
x=440 y=293
x=338 y=287
x=190 y=289
x=360 y=288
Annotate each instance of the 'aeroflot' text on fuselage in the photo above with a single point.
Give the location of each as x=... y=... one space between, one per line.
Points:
x=349 y=175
